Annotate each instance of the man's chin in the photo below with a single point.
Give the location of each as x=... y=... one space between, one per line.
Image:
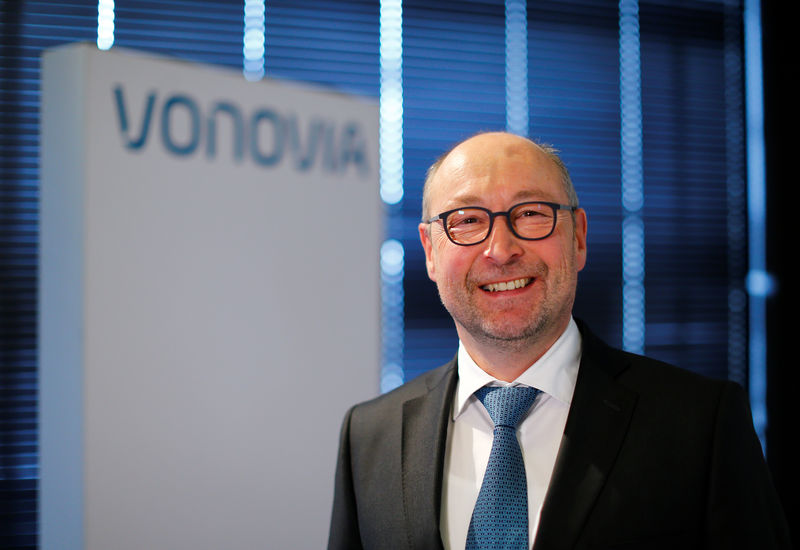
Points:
x=505 y=334
x=519 y=334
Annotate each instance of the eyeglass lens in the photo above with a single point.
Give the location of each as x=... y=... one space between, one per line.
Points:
x=471 y=225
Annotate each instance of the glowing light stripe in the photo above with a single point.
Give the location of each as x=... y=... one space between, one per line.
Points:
x=633 y=260
x=254 y=39
x=392 y=304
x=517 y=67
x=391 y=100
x=105 y=24
x=759 y=281
x=391 y=191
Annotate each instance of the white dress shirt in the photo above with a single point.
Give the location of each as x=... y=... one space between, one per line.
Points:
x=470 y=434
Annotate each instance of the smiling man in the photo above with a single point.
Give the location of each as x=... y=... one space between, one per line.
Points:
x=537 y=434
x=504 y=329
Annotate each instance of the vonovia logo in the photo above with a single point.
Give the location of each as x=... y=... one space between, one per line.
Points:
x=185 y=127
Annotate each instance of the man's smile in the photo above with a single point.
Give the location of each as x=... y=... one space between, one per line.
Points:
x=507 y=285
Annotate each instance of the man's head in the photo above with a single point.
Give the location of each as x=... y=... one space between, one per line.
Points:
x=550 y=151
x=497 y=171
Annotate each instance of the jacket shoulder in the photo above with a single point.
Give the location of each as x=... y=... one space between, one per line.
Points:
x=641 y=373
x=417 y=387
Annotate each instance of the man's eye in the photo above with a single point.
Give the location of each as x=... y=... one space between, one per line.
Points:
x=465 y=219
x=533 y=213
x=530 y=214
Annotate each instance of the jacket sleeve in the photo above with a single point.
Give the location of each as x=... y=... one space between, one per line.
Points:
x=344 y=532
x=743 y=507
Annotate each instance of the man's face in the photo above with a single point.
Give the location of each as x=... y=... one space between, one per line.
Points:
x=497 y=171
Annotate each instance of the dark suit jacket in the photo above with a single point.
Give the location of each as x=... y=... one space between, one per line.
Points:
x=652 y=457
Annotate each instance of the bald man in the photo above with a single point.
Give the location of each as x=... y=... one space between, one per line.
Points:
x=616 y=450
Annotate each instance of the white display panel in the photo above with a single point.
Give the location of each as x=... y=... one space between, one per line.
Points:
x=209 y=301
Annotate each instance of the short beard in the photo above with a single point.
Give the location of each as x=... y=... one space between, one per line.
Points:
x=508 y=338
x=498 y=338
x=502 y=337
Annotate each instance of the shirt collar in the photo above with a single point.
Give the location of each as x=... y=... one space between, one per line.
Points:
x=554 y=373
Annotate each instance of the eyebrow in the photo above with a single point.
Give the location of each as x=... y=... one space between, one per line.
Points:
x=525 y=194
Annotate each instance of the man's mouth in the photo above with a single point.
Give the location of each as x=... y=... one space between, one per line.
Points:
x=507 y=285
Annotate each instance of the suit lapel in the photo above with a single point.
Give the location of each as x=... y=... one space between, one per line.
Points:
x=598 y=421
x=425 y=421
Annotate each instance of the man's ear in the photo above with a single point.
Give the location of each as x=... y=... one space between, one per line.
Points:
x=425 y=239
x=580 y=238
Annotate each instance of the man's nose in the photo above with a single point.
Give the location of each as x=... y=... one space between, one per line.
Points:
x=502 y=245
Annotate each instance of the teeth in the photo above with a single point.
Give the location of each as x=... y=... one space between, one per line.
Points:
x=507 y=285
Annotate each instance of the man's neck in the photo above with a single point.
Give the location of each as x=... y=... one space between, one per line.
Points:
x=505 y=360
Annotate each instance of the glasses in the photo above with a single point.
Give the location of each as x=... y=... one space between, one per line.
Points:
x=530 y=221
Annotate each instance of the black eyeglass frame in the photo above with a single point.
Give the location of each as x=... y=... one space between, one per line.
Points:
x=492 y=215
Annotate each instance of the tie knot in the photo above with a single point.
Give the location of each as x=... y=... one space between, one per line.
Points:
x=507 y=405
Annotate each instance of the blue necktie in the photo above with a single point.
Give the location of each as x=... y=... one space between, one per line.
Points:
x=500 y=518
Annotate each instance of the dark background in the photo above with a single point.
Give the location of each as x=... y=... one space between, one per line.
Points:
x=781 y=72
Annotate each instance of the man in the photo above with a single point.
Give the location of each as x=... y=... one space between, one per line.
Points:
x=616 y=450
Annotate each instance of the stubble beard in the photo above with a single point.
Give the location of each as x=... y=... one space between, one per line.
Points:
x=512 y=335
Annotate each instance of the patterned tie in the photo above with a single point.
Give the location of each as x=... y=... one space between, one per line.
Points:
x=500 y=517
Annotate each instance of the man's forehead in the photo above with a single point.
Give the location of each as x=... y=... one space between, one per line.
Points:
x=522 y=171
x=489 y=150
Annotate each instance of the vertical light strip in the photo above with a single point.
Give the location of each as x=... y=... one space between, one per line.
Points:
x=633 y=293
x=392 y=298
x=254 y=38
x=391 y=190
x=759 y=282
x=517 y=67
x=105 y=24
x=391 y=101
x=736 y=192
